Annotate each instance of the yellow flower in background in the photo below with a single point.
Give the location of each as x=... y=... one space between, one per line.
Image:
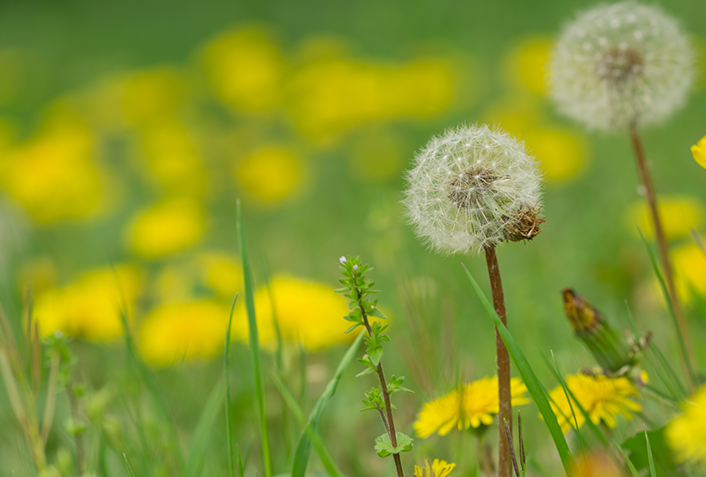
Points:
x=686 y=434
x=377 y=155
x=699 y=152
x=561 y=152
x=168 y=157
x=245 y=68
x=516 y=114
x=596 y=465
x=679 y=214
x=470 y=405
x=438 y=468
x=55 y=176
x=270 y=174
x=308 y=312
x=175 y=332
x=525 y=64
x=221 y=272
x=167 y=227
x=152 y=94
x=690 y=270
x=90 y=306
x=603 y=398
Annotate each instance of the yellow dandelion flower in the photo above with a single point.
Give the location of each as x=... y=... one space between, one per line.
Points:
x=686 y=434
x=561 y=152
x=166 y=228
x=270 y=175
x=90 y=306
x=183 y=331
x=699 y=152
x=221 y=272
x=307 y=312
x=679 y=215
x=596 y=465
x=603 y=398
x=438 y=468
x=246 y=69
x=470 y=405
x=153 y=94
x=690 y=270
x=525 y=64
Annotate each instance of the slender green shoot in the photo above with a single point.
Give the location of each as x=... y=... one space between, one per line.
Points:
x=226 y=371
x=534 y=387
x=254 y=341
x=631 y=466
x=239 y=459
x=650 y=459
x=571 y=406
x=129 y=469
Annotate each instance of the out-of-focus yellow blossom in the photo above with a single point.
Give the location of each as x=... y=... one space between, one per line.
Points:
x=90 y=306
x=246 y=69
x=686 y=434
x=331 y=94
x=221 y=272
x=167 y=227
x=55 y=175
x=153 y=94
x=601 y=397
x=270 y=174
x=679 y=214
x=525 y=64
x=377 y=155
x=699 y=152
x=438 y=468
x=596 y=465
x=307 y=312
x=561 y=152
x=690 y=270
x=518 y=115
x=183 y=331
x=470 y=405
x=169 y=158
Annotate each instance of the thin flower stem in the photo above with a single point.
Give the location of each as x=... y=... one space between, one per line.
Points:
x=650 y=195
x=385 y=394
x=503 y=365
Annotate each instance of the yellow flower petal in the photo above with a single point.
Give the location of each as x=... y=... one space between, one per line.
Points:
x=699 y=152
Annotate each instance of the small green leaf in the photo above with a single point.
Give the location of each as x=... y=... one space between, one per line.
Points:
x=377 y=313
x=375 y=355
x=384 y=447
x=365 y=372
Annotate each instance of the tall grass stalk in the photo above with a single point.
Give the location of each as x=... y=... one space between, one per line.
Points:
x=226 y=372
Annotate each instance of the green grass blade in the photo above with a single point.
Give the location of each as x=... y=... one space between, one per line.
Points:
x=631 y=466
x=200 y=441
x=650 y=459
x=316 y=441
x=571 y=406
x=129 y=469
x=254 y=341
x=534 y=387
x=239 y=458
x=303 y=449
x=670 y=306
x=226 y=372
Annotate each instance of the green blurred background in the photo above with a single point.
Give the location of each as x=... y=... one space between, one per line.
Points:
x=128 y=130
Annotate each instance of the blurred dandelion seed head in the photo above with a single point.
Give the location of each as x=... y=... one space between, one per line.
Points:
x=467 y=186
x=621 y=63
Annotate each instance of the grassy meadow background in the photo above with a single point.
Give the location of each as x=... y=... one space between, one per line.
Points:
x=128 y=130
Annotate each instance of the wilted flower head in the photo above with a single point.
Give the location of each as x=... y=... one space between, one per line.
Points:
x=473 y=187
x=620 y=64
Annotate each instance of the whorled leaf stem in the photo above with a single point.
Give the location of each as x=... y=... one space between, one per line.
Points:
x=503 y=365
x=651 y=198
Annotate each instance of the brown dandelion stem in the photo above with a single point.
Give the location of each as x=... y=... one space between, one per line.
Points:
x=503 y=365
x=651 y=198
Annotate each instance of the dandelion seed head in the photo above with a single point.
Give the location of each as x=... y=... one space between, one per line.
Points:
x=467 y=186
x=621 y=63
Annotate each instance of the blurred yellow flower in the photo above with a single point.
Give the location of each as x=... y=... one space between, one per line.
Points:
x=221 y=272
x=470 y=405
x=596 y=465
x=690 y=270
x=525 y=64
x=561 y=152
x=245 y=68
x=90 y=306
x=438 y=468
x=686 y=434
x=270 y=174
x=679 y=214
x=601 y=397
x=151 y=94
x=308 y=312
x=699 y=152
x=55 y=175
x=518 y=115
x=183 y=331
x=167 y=227
x=169 y=158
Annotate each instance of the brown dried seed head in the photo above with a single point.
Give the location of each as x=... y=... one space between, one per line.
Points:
x=467 y=189
x=618 y=65
x=582 y=315
x=525 y=224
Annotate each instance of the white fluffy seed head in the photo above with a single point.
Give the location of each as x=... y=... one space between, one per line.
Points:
x=621 y=63
x=473 y=187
